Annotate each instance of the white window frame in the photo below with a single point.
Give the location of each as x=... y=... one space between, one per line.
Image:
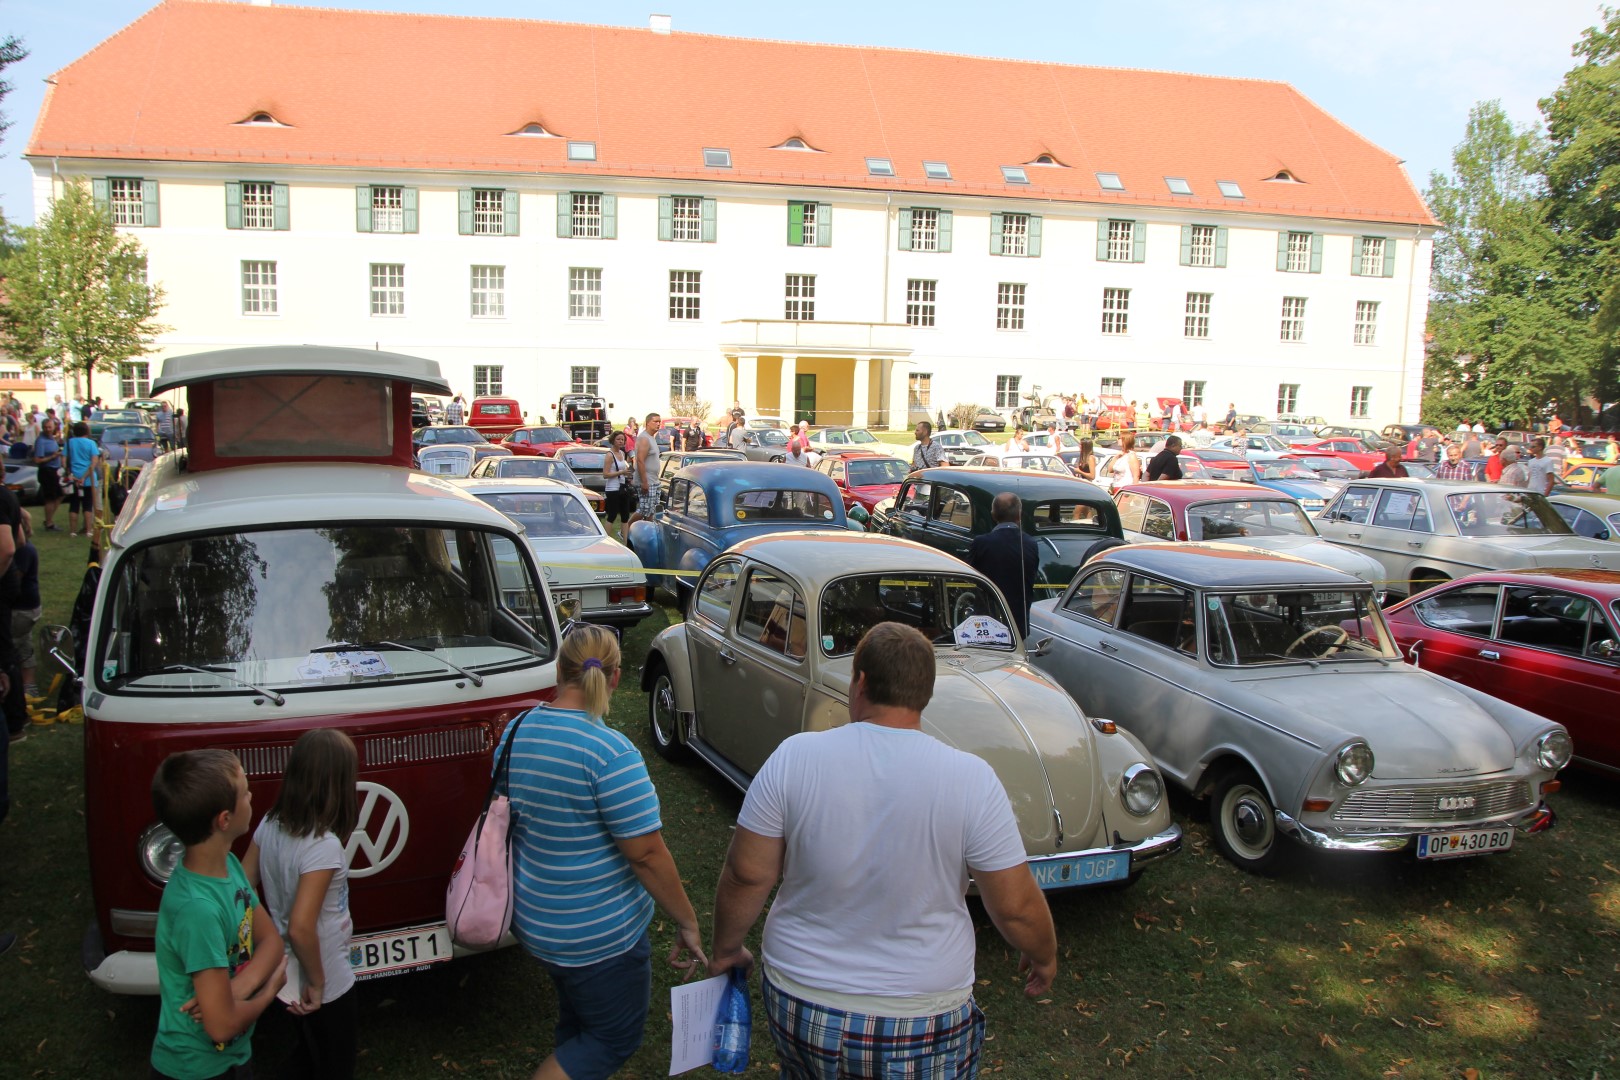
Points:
x=387 y=209
x=1293 y=319
x=585 y=379
x=1111 y=386
x=1360 y=402
x=258 y=204
x=683 y=383
x=584 y=292
x=488 y=292
x=489 y=212
x=1202 y=251
x=126 y=204
x=1299 y=252
x=1007 y=391
x=489 y=380
x=807 y=224
x=1366 y=331
x=685 y=218
x=1011 y=297
x=1196 y=322
x=1116 y=312
x=1192 y=392
x=922 y=297
x=1121 y=240
x=920 y=390
x=387 y=290
x=685 y=295
x=800 y=298
x=260 y=287
x=1372 y=256
x=585 y=215
x=1015 y=234
x=1287 y=399
x=924 y=229
x=134 y=379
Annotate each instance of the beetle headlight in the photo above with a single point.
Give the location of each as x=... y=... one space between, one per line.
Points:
x=1141 y=790
x=1354 y=764
x=161 y=851
x=1553 y=750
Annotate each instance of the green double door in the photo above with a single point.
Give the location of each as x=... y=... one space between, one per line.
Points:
x=804 y=398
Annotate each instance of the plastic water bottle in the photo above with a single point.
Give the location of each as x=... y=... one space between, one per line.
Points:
x=732 y=1025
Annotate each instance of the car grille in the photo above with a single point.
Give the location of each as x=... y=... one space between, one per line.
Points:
x=378 y=750
x=1396 y=804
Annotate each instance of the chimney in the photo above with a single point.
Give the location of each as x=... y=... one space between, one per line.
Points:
x=659 y=24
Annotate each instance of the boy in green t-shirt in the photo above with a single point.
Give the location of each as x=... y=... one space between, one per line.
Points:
x=220 y=960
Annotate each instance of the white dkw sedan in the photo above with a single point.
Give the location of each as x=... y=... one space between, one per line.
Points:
x=591 y=576
x=1271 y=685
x=767 y=649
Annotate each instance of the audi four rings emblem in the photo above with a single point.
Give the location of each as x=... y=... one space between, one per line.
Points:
x=381 y=832
x=1456 y=802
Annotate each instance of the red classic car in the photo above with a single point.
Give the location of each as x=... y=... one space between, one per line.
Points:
x=1544 y=640
x=1346 y=449
x=864 y=477
x=537 y=440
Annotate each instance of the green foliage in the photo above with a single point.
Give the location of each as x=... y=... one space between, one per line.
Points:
x=11 y=51
x=76 y=296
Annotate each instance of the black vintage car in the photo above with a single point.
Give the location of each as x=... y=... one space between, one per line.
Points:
x=584 y=416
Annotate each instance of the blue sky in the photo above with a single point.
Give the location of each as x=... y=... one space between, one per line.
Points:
x=1401 y=72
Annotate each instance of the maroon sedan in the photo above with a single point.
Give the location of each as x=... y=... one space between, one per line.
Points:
x=1544 y=640
x=543 y=441
x=864 y=477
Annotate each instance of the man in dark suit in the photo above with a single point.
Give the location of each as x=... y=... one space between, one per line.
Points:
x=1008 y=557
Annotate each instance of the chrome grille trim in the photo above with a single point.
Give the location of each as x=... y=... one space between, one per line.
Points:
x=1492 y=798
x=419 y=746
x=264 y=760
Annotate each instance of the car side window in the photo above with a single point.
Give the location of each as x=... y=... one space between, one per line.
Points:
x=1132 y=509
x=1097 y=595
x=1547 y=619
x=1354 y=505
x=1158 y=523
x=837 y=470
x=715 y=594
x=773 y=615
x=1160 y=613
x=697 y=502
x=1470 y=610
x=914 y=499
x=955 y=508
x=1396 y=509
x=676 y=503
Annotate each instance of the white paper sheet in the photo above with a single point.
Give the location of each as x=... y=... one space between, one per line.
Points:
x=334 y=665
x=693 y=1010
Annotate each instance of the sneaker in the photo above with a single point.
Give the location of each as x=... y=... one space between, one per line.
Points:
x=19 y=736
x=52 y=527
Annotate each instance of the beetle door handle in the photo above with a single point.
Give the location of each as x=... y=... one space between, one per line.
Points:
x=1108 y=646
x=1353 y=536
x=727 y=656
x=1489 y=654
x=1414 y=543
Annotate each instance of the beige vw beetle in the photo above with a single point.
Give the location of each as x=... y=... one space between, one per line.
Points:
x=766 y=652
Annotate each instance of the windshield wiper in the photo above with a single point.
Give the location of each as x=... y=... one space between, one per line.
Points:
x=472 y=676
x=224 y=673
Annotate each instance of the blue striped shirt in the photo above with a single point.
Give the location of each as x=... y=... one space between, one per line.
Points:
x=575 y=786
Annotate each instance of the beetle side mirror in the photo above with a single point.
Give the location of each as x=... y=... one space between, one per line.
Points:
x=59 y=644
x=1041 y=647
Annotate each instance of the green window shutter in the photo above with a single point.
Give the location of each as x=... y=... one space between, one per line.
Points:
x=666 y=217
x=1139 y=242
x=945 y=224
x=795 y=224
x=1220 y=245
x=407 y=205
x=1316 y=253
x=1282 y=250
x=565 y=214
x=823 y=224
x=1355 y=255
x=1389 y=254
x=610 y=217
x=1102 y=240
x=1186 y=245
x=149 y=196
x=282 y=207
x=233 y=204
x=464 y=211
x=995 y=233
x=710 y=220
x=101 y=191
x=905 y=230
x=509 y=213
x=1033 y=240
x=362 y=208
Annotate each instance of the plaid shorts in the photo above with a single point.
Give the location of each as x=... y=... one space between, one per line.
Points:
x=818 y=1043
x=647 y=505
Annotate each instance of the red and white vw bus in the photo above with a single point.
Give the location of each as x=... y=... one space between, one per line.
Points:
x=289 y=570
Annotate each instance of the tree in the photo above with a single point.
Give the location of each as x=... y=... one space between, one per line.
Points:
x=11 y=51
x=76 y=295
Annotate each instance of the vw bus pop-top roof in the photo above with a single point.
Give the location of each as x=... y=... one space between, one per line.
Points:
x=286 y=403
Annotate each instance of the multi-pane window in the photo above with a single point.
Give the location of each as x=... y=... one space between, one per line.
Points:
x=1202 y=252
x=1299 y=253
x=920 y=295
x=1015 y=234
x=387 y=209
x=388 y=288
x=584 y=292
x=258 y=288
x=1006 y=391
x=1360 y=402
x=805 y=224
x=801 y=298
x=925 y=230
x=1010 y=305
x=686 y=218
x=583 y=380
x=1112 y=387
x=1366 y=322
x=489 y=292
x=258 y=205
x=1121 y=237
x=1287 y=398
x=682 y=383
x=1196 y=324
x=487 y=381
x=1372 y=256
x=685 y=294
x=1192 y=393
x=127 y=204
x=135 y=379
x=587 y=215
x=489 y=212
x=919 y=391
x=1116 y=311
x=1293 y=318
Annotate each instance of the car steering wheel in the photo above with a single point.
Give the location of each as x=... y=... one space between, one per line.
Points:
x=1343 y=636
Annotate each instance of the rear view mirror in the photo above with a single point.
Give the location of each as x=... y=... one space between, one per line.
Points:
x=1041 y=647
x=59 y=644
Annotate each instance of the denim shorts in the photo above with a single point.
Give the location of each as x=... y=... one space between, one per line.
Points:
x=602 y=1011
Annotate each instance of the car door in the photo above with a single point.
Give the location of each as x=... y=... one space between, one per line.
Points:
x=909 y=518
x=1346 y=519
x=764 y=671
x=1397 y=534
x=1546 y=658
x=1084 y=624
x=1454 y=634
x=834 y=467
x=1156 y=647
x=950 y=526
x=1132 y=513
x=708 y=623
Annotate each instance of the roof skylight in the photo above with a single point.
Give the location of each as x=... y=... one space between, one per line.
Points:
x=936 y=170
x=1177 y=185
x=716 y=157
x=1230 y=189
x=879 y=166
x=1014 y=174
x=534 y=130
x=1110 y=181
x=581 y=151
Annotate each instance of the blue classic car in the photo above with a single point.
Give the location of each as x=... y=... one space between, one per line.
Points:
x=713 y=505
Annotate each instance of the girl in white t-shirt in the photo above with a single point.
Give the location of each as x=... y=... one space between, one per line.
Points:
x=298 y=863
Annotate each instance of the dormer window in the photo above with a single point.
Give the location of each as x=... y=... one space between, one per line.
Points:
x=796 y=143
x=260 y=119
x=1284 y=177
x=1014 y=174
x=716 y=158
x=534 y=130
x=879 y=166
x=936 y=170
x=581 y=151
x=1109 y=181
x=1047 y=161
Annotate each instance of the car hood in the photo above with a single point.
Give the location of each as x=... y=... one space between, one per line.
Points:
x=1420 y=726
x=1318 y=550
x=570 y=562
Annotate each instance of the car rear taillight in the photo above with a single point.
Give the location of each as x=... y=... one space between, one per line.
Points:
x=627 y=594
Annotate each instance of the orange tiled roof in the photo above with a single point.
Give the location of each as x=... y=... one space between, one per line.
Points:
x=374 y=90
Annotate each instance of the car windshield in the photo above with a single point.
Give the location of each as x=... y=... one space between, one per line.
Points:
x=1504 y=513
x=964 y=438
x=772 y=437
x=529 y=468
x=318 y=608
x=1226 y=468
x=583 y=460
x=451 y=435
x=116 y=416
x=544 y=513
x=1249 y=517
x=775 y=505
x=950 y=609
x=549 y=434
x=120 y=436
x=1294 y=626
x=1284 y=470
x=873 y=473
x=1328 y=464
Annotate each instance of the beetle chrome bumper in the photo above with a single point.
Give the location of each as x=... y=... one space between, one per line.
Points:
x=1535 y=820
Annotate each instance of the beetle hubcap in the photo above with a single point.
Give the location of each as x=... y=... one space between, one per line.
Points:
x=663 y=702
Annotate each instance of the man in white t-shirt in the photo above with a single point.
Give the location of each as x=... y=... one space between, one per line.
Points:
x=852 y=966
x=1542 y=468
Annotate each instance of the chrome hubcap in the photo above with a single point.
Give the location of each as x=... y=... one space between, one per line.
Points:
x=1251 y=822
x=663 y=710
x=1249 y=827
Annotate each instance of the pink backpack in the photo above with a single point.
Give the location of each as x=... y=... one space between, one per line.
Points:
x=478 y=902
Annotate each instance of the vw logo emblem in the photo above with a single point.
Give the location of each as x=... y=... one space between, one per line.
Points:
x=381 y=832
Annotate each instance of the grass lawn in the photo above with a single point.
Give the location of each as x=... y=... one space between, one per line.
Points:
x=1502 y=966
